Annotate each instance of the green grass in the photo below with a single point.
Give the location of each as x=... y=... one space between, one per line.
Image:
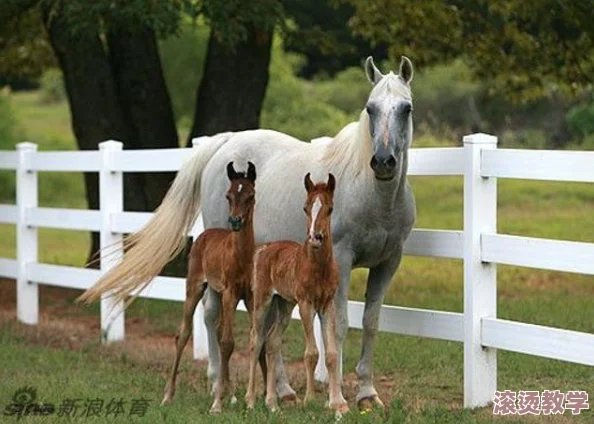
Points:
x=422 y=377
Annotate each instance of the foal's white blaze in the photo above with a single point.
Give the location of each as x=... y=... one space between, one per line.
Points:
x=239 y=188
x=315 y=210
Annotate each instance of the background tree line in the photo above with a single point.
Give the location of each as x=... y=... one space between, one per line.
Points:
x=146 y=71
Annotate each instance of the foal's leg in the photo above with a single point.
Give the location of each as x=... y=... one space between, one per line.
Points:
x=261 y=305
x=249 y=305
x=194 y=292
x=226 y=344
x=307 y=313
x=212 y=306
x=328 y=319
x=377 y=283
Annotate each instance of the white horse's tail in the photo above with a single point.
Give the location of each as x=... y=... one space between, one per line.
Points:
x=163 y=237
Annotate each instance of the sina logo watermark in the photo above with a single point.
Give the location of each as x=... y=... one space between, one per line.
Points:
x=24 y=404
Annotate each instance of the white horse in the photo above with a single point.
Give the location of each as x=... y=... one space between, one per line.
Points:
x=374 y=208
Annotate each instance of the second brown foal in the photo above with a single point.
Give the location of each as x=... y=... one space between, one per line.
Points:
x=303 y=274
x=222 y=259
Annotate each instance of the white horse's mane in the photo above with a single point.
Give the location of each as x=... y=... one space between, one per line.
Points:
x=351 y=146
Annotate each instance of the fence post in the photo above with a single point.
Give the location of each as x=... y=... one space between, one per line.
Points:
x=111 y=200
x=199 y=336
x=480 y=279
x=26 y=197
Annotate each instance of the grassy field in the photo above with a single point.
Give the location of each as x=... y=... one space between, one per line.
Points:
x=421 y=379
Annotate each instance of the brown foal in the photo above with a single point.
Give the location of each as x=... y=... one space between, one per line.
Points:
x=222 y=259
x=303 y=274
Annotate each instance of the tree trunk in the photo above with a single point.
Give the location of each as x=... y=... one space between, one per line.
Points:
x=121 y=95
x=233 y=85
x=95 y=111
x=146 y=105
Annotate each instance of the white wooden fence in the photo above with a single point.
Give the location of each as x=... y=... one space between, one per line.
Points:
x=479 y=246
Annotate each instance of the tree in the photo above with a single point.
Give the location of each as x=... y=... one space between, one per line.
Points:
x=107 y=51
x=523 y=48
x=318 y=31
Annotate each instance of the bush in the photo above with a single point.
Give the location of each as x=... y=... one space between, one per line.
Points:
x=580 y=120
x=9 y=136
x=296 y=106
x=52 y=87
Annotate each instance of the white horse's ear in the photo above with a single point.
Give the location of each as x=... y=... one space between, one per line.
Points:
x=406 y=69
x=373 y=74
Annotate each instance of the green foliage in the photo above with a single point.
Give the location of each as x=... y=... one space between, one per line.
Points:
x=347 y=90
x=9 y=136
x=524 y=49
x=26 y=52
x=183 y=59
x=296 y=106
x=231 y=20
x=580 y=119
x=52 y=86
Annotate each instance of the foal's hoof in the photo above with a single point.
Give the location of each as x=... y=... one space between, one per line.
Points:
x=368 y=403
x=290 y=400
x=166 y=399
x=250 y=401
x=216 y=408
x=340 y=409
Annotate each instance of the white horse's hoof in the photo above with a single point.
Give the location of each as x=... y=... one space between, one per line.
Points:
x=367 y=403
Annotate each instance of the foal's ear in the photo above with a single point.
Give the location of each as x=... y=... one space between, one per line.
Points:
x=331 y=183
x=309 y=185
x=406 y=69
x=231 y=171
x=373 y=74
x=251 y=172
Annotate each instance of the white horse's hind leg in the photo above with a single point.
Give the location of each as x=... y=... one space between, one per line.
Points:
x=284 y=390
x=377 y=283
x=212 y=306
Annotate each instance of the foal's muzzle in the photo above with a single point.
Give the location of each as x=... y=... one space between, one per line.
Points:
x=315 y=240
x=236 y=223
x=384 y=166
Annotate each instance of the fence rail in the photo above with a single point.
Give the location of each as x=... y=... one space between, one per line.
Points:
x=478 y=245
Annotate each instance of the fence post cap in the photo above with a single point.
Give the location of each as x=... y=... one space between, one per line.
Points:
x=111 y=145
x=479 y=138
x=27 y=145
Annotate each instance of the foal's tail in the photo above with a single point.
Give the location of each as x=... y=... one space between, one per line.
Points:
x=159 y=241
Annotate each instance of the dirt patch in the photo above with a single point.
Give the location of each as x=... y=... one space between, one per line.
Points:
x=63 y=324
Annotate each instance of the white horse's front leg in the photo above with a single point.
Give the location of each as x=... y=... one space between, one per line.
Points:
x=377 y=283
x=342 y=320
x=212 y=306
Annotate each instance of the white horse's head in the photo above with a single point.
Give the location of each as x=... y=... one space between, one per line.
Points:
x=389 y=109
